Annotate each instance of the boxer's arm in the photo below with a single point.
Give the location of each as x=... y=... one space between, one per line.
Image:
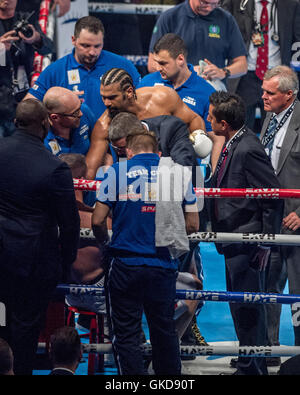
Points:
x=98 y=148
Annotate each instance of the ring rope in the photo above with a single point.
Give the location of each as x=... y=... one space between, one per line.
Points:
x=213 y=296
x=219 y=237
x=121 y=8
x=248 y=193
x=243 y=351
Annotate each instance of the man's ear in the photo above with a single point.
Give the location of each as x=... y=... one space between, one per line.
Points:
x=129 y=153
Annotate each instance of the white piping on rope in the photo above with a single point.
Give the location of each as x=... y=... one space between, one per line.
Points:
x=121 y=8
x=243 y=351
x=261 y=238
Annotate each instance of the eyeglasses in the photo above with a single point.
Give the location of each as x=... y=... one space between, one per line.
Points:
x=207 y=4
x=74 y=114
x=118 y=149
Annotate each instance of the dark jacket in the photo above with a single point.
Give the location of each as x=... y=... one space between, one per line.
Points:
x=39 y=220
x=247 y=166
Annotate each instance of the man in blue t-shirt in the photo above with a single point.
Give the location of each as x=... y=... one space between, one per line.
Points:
x=142 y=277
x=210 y=34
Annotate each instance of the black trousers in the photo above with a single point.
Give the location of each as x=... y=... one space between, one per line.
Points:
x=249 y=318
x=26 y=300
x=132 y=290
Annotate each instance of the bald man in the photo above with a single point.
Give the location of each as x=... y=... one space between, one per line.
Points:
x=73 y=127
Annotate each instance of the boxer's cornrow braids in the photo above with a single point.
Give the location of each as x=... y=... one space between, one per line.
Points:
x=120 y=76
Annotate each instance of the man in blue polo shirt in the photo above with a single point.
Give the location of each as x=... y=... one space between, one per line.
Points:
x=210 y=34
x=71 y=122
x=142 y=277
x=81 y=71
x=169 y=54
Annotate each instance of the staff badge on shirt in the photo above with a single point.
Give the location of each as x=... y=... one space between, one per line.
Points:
x=73 y=77
x=214 y=31
x=55 y=148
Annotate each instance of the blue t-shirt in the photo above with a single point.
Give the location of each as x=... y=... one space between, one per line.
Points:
x=194 y=92
x=68 y=73
x=127 y=189
x=215 y=37
x=79 y=141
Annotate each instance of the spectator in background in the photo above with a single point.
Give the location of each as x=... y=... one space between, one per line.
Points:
x=73 y=127
x=210 y=34
x=39 y=230
x=16 y=64
x=65 y=351
x=6 y=359
x=269 y=29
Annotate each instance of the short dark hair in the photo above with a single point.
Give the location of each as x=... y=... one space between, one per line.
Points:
x=172 y=43
x=120 y=76
x=142 y=141
x=65 y=346
x=90 y=23
x=76 y=163
x=6 y=357
x=122 y=124
x=30 y=113
x=228 y=107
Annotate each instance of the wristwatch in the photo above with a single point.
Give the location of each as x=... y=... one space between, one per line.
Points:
x=227 y=72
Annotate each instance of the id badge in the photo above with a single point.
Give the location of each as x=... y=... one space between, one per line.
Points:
x=258 y=39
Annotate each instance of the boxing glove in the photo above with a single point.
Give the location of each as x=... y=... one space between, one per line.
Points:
x=201 y=142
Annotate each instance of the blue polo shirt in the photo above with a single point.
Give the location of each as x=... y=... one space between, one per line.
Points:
x=194 y=92
x=68 y=73
x=79 y=141
x=133 y=216
x=215 y=37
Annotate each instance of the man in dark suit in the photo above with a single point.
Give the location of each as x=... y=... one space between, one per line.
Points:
x=242 y=164
x=280 y=135
x=39 y=229
x=280 y=30
x=65 y=351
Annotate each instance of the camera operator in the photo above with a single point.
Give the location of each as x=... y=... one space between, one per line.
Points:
x=20 y=40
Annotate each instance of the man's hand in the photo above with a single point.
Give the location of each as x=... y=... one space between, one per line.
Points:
x=291 y=221
x=64 y=6
x=8 y=38
x=212 y=72
x=34 y=39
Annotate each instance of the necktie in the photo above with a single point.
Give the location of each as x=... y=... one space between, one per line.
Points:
x=222 y=166
x=263 y=51
x=268 y=138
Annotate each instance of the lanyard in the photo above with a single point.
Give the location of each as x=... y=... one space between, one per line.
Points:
x=267 y=138
x=227 y=149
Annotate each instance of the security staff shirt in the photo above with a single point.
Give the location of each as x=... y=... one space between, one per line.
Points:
x=194 y=92
x=68 y=73
x=215 y=37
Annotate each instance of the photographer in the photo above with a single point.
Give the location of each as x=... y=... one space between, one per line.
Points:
x=18 y=42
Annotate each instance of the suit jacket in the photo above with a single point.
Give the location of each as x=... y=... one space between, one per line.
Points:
x=173 y=138
x=288 y=23
x=288 y=169
x=39 y=220
x=247 y=166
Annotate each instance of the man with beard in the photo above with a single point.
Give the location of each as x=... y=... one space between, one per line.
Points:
x=81 y=70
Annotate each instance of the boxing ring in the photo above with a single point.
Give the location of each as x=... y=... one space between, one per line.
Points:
x=214 y=350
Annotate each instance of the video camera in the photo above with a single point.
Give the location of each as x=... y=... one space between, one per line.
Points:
x=22 y=25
